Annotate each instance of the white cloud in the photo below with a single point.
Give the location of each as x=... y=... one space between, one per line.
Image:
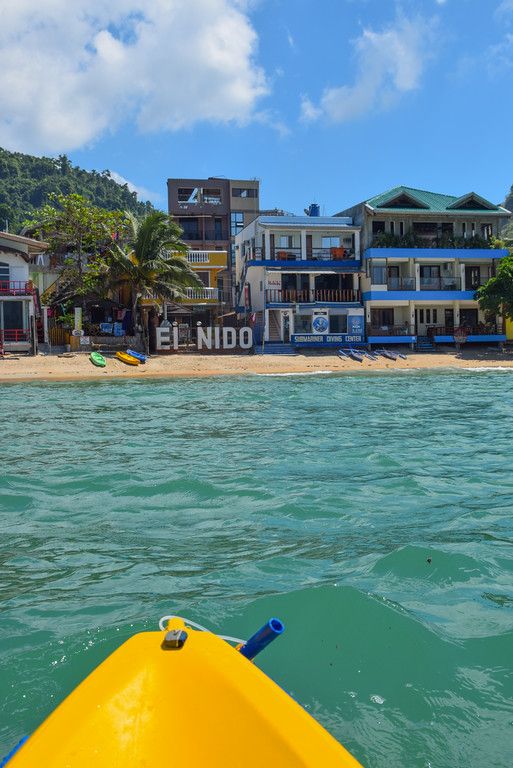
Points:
x=141 y=192
x=70 y=71
x=441 y=2
x=389 y=63
x=504 y=7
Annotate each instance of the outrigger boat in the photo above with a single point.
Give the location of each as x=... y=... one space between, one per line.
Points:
x=181 y=697
x=387 y=353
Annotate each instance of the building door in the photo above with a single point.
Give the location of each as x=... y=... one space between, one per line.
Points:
x=472 y=278
x=449 y=320
x=430 y=278
x=286 y=327
x=427 y=319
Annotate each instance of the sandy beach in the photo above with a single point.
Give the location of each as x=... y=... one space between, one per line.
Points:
x=51 y=367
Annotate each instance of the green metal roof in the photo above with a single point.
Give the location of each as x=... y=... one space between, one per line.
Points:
x=431 y=202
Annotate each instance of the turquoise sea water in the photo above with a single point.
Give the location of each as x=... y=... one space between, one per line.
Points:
x=373 y=514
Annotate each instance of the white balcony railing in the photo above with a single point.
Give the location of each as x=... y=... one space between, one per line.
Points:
x=198 y=257
x=212 y=294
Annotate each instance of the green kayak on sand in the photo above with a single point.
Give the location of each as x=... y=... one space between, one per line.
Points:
x=97 y=359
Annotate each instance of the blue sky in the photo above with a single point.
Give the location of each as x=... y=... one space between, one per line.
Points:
x=331 y=101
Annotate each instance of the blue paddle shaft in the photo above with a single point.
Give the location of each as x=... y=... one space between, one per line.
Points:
x=261 y=639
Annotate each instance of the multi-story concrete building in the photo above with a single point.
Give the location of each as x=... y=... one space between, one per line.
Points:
x=424 y=256
x=297 y=277
x=19 y=302
x=211 y=212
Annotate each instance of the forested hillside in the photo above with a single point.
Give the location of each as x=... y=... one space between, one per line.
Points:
x=26 y=182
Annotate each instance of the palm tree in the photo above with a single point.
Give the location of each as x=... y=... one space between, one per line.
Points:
x=152 y=260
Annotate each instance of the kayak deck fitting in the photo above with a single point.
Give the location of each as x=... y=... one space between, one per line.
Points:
x=181 y=697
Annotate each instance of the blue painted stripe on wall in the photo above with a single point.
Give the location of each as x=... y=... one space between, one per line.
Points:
x=419 y=295
x=472 y=338
x=351 y=265
x=436 y=253
x=391 y=339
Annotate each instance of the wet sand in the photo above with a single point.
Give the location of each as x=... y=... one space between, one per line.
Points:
x=50 y=367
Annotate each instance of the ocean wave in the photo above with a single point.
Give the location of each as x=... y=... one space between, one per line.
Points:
x=296 y=373
x=483 y=368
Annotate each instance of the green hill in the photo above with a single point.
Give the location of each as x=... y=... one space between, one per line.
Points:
x=26 y=182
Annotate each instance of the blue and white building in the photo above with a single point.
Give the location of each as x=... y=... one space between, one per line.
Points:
x=298 y=278
x=424 y=256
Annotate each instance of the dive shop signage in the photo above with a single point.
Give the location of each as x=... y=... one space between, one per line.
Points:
x=207 y=338
x=326 y=339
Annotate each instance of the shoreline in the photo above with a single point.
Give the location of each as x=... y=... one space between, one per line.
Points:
x=14 y=368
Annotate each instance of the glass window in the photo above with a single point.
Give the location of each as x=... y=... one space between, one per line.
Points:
x=285 y=241
x=338 y=323
x=190 y=229
x=378 y=227
x=204 y=277
x=236 y=222
x=243 y=192
x=392 y=227
x=4 y=272
x=303 y=324
x=212 y=196
x=330 y=242
x=188 y=195
x=401 y=228
x=382 y=318
x=378 y=275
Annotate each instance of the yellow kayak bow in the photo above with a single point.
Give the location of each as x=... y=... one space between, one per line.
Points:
x=180 y=697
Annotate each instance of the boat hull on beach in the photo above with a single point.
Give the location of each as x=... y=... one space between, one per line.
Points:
x=127 y=359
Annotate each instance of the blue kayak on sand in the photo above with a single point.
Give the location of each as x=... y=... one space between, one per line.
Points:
x=137 y=355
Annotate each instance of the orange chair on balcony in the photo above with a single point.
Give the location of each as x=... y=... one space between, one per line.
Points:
x=337 y=253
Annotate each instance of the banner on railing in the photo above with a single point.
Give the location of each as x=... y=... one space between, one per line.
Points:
x=207 y=338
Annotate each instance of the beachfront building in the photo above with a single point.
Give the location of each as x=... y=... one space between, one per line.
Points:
x=19 y=302
x=204 y=304
x=211 y=213
x=424 y=256
x=298 y=280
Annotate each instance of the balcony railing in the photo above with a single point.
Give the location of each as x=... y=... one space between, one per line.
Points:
x=212 y=294
x=401 y=283
x=198 y=257
x=14 y=335
x=482 y=329
x=295 y=254
x=343 y=295
x=391 y=330
x=440 y=283
x=417 y=240
x=15 y=288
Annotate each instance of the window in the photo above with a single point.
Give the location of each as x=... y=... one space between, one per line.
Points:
x=236 y=222
x=381 y=318
x=378 y=227
x=212 y=196
x=379 y=275
x=435 y=316
x=392 y=227
x=195 y=195
x=421 y=315
x=486 y=231
x=218 y=229
x=401 y=228
x=188 y=195
x=204 y=277
x=243 y=192
x=338 y=323
x=4 y=272
x=190 y=229
x=303 y=324
x=285 y=241
x=331 y=242
x=464 y=229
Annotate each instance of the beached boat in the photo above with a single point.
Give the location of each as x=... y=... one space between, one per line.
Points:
x=356 y=355
x=185 y=697
x=97 y=359
x=137 y=355
x=387 y=353
x=126 y=358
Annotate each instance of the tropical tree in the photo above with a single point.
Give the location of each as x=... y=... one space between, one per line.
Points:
x=496 y=296
x=82 y=234
x=152 y=260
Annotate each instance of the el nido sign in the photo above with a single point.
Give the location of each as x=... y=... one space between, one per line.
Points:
x=207 y=338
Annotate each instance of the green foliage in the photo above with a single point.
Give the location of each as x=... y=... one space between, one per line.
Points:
x=496 y=296
x=152 y=260
x=26 y=182
x=411 y=240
